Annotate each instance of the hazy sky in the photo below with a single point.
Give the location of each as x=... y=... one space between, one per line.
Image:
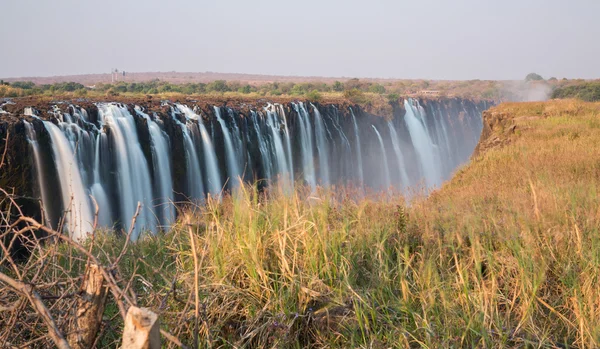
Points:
x=434 y=39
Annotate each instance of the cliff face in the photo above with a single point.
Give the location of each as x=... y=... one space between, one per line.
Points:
x=497 y=130
x=143 y=150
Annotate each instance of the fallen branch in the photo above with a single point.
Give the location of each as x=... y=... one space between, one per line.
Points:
x=39 y=306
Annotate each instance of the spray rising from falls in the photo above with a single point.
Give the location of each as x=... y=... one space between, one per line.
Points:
x=119 y=156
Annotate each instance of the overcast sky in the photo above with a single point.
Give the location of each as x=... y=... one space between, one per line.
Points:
x=432 y=39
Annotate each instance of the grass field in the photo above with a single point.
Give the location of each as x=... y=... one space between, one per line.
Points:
x=506 y=254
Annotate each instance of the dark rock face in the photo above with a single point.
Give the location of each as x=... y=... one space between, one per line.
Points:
x=267 y=140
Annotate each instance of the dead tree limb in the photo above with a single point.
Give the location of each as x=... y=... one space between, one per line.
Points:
x=36 y=302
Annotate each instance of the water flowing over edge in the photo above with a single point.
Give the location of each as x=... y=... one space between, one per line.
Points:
x=125 y=155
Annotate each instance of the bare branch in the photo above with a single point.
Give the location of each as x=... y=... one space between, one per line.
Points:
x=39 y=306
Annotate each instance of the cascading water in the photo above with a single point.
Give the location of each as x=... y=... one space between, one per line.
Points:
x=120 y=159
x=399 y=156
x=347 y=161
x=359 y=163
x=210 y=159
x=422 y=144
x=133 y=176
x=322 y=147
x=33 y=142
x=288 y=143
x=233 y=170
x=163 y=183
x=263 y=146
x=386 y=169
x=77 y=207
x=280 y=156
x=308 y=165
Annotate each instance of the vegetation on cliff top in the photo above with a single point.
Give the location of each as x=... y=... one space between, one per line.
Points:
x=472 y=89
x=507 y=254
x=587 y=91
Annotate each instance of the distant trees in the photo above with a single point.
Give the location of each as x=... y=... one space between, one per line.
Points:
x=26 y=85
x=533 y=77
x=358 y=91
x=218 y=86
x=587 y=91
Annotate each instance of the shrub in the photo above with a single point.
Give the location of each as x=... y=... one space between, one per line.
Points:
x=377 y=88
x=355 y=95
x=81 y=92
x=218 y=86
x=314 y=96
x=338 y=86
x=393 y=97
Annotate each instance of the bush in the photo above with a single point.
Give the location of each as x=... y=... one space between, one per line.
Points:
x=81 y=92
x=393 y=97
x=338 y=86
x=377 y=88
x=314 y=96
x=245 y=89
x=355 y=96
x=218 y=86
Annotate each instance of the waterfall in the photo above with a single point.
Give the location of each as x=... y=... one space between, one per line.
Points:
x=399 y=157
x=308 y=166
x=449 y=160
x=274 y=126
x=210 y=158
x=386 y=168
x=346 y=161
x=133 y=175
x=233 y=170
x=33 y=142
x=77 y=207
x=422 y=145
x=359 y=163
x=288 y=144
x=322 y=147
x=106 y=158
x=263 y=147
x=162 y=171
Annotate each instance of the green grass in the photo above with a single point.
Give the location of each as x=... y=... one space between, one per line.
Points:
x=507 y=254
